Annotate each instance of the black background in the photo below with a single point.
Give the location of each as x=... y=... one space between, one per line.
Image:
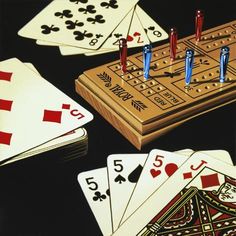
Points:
x=41 y=196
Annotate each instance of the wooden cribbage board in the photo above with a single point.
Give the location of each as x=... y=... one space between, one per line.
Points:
x=145 y=109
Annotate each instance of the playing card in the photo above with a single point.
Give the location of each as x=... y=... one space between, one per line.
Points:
x=153 y=30
x=198 y=199
x=221 y=155
x=32 y=67
x=136 y=36
x=123 y=173
x=159 y=166
x=85 y=24
x=72 y=137
x=156 y=171
x=33 y=111
x=95 y=187
x=111 y=43
x=120 y=31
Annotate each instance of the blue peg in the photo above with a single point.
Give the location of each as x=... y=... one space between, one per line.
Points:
x=147 y=56
x=224 y=59
x=189 y=58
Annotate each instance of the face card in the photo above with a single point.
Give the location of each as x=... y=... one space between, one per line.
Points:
x=85 y=24
x=153 y=30
x=198 y=199
x=138 y=196
x=95 y=187
x=221 y=155
x=33 y=111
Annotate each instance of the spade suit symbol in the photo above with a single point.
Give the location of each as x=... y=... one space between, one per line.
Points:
x=134 y=175
x=119 y=179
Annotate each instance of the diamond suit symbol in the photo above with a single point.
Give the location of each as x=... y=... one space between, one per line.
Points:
x=52 y=116
x=210 y=180
x=5 y=138
x=5 y=105
x=5 y=75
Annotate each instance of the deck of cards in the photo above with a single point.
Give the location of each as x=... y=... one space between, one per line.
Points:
x=92 y=27
x=36 y=117
x=163 y=193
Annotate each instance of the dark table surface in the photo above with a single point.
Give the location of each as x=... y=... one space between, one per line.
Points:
x=41 y=197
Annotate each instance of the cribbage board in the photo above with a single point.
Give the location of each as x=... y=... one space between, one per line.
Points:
x=145 y=109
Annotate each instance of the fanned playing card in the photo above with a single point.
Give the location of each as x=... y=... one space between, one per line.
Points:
x=153 y=30
x=123 y=174
x=33 y=111
x=94 y=184
x=198 y=199
x=159 y=166
x=111 y=42
x=124 y=171
x=85 y=24
x=142 y=30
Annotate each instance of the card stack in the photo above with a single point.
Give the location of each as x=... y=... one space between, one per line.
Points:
x=163 y=193
x=92 y=27
x=36 y=117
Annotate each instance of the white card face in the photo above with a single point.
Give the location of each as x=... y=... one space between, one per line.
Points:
x=32 y=67
x=138 y=197
x=154 y=32
x=159 y=166
x=95 y=187
x=112 y=41
x=123 y=171
x=221 y=155
x=33 y=111
x=200 y=175
x=136 y=37
x=85 y=24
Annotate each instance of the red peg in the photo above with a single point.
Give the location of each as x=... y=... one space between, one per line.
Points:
x=198 y=24
x=173 y=43
x=123 y=54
